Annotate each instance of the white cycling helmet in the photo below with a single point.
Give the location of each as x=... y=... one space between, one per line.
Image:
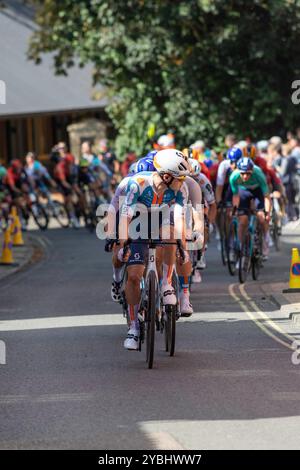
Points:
x=241 y=144
x=132 y=167
x=198 y=145
x=262 y=145
x=276 y=140
x=195 y=166
x=166 y=140
x=171 y=161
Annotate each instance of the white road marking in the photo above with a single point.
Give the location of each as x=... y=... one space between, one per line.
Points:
x=161 y=440
x=84 y=321
x=256 y=321
x=236 y=373
x=267 y=319
x=48 y=398
x=61 y=322
x=287 y=396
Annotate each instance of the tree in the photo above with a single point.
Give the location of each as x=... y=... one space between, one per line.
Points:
x=203 y=67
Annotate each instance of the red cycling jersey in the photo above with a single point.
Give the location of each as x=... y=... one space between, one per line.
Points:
x=272 y=179
x=12 y=178
x=205 y=170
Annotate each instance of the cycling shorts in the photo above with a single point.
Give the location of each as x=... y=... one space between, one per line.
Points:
x=248 y=195
x=139 y=251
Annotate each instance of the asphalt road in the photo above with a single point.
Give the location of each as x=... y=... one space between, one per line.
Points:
x=69 y=384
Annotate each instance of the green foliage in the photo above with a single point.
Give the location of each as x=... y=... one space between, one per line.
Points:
x=202 y=67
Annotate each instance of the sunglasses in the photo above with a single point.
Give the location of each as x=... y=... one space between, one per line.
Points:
x=246 y=173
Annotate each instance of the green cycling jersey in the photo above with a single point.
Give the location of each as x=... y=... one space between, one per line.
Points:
x=257 y=180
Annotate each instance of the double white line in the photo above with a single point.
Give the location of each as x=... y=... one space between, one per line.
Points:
x=261 y=320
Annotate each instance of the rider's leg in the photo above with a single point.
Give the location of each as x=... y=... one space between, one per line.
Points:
x=243 y=226
x=246 y=197
x=118 y=271
x=265 y=229
x=184 y=272
x=133 y=295
x=169 y=259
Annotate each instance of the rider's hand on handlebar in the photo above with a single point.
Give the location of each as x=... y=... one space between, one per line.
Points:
x=124 y=254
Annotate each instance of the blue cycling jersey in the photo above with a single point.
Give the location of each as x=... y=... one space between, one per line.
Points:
x=140 y=190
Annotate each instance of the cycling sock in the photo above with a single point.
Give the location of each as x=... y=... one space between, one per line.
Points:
x=133 y=314
x=167 y=274
x=184 y=282
x=118 y=274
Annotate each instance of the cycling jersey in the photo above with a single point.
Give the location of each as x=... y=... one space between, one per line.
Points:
x=194 y=192
x=140 y=190
x=15 y=179
x=206 y=188
x=256 y=180
x=2 y=176
x=65 y=172
x=272 y=179
x=204 y=170
x=224 y=171
x=120 y=192
x=37 y=171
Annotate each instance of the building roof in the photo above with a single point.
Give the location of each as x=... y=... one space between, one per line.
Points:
x=30 y=88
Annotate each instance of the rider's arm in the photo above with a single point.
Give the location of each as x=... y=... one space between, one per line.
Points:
x=264 y=187
x=212 y=212
x=233 y=181
x=219 y=191
x=103 y=167
x=180 y=207
x=221 y=176
x=128 y=209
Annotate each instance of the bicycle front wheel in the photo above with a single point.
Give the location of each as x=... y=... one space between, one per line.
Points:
x=61 y=214
x=257 y=255
x=245 y=259
x=232 y=249
x=40 y=216
x=150 y=319
x=170 y=328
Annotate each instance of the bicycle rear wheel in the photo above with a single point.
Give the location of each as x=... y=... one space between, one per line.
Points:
x=275 y=231
x=150 y=319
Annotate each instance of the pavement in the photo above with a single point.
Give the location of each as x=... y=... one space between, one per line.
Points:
x=67 y=382
x=22 y=256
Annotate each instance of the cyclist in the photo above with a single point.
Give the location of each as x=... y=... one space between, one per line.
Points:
x=66 y=177
x=98 y=173
x=37 y=174
x=248 y=183
x=165 y=188
x=210 y=211
x=226 y=167
x=143 y=165
x=3 y=192
x=274 y=182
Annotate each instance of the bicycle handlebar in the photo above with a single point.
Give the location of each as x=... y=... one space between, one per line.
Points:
x=153 y=243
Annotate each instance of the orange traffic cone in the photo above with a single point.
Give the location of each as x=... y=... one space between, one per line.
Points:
x=7 y=256
x=294 y=285
x=16 y=229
